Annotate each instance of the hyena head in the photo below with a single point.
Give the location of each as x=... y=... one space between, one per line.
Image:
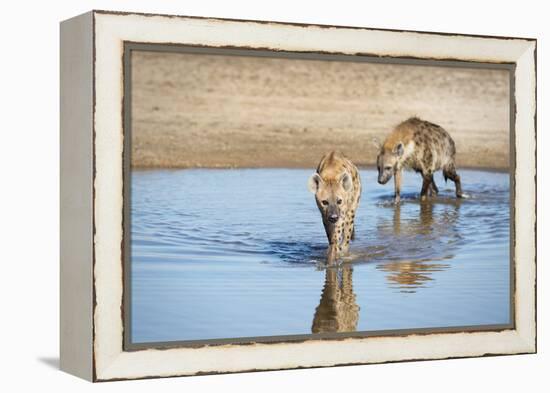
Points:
x=387 y=162
x=331 y=195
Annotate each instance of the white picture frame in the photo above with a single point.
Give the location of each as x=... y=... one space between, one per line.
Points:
x=92 y=195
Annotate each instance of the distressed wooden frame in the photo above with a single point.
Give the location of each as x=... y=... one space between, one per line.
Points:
x=92 y=190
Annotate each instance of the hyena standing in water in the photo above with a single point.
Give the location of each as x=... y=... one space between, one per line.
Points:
x=337 y=188
x=422 y=146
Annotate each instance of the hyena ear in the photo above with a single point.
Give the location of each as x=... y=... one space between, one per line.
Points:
x=399 y=149
x=313 y=183
x=346 y=181
x=376 y=143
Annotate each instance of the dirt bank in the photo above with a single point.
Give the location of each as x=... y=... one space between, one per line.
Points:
x=221 y=111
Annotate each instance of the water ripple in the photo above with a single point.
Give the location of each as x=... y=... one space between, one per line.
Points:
x=214 y=237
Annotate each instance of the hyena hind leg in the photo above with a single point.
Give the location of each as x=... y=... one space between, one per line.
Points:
x=449 y=172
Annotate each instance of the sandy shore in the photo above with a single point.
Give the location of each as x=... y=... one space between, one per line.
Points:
x=221 y=111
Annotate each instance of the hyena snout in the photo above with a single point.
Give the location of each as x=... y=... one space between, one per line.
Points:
x=384 y=177
x=333 y=215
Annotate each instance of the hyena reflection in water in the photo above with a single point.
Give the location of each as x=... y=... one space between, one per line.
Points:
x=422 y=146
x=337 y=188
x=419 y=247
x=337 y=310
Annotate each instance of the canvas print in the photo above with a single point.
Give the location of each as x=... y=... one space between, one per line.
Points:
x=278 y=197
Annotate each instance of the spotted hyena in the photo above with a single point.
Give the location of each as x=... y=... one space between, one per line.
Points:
x=337 y=188
x=422 y=146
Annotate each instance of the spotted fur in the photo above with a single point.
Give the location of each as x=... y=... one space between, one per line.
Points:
x=422 y=146
x=337 y=188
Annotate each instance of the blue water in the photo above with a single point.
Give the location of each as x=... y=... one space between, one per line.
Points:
x=240 y=253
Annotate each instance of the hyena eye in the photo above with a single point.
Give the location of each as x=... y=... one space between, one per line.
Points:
x=339 y=201
x=324 y=202
x=387 y=168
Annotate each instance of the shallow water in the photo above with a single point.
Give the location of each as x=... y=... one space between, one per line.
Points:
x=240 y=253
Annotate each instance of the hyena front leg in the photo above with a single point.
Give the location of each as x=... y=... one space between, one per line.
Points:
x=348 y=232
x=397 y=181
x=433 y=190
x=450 y=173
x=332 y=254
x=426 y=184
x=334 y=235
x=352 y=225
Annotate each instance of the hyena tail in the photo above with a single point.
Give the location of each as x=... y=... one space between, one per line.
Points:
x=449 y=171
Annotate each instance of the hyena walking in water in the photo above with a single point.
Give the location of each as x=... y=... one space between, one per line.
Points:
x=422 y=146
x=337 y=188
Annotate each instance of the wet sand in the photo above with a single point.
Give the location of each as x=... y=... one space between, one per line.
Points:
x=192 y=111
